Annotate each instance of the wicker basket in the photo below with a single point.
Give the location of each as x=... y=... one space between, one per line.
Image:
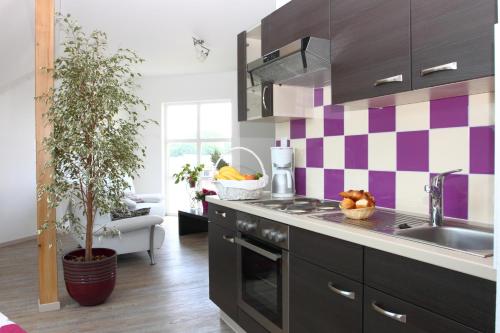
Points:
x=239 y=189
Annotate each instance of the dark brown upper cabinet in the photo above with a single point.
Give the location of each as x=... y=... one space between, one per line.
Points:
x=451 y=40
x=242 y=75
x=370 y=48
x=297 y=19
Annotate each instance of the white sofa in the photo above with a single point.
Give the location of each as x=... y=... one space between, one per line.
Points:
x=142 y=233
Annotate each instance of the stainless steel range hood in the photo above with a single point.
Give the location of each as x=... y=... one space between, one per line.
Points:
x=304 y=62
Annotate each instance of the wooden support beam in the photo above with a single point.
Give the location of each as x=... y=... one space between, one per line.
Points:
x=47 y=247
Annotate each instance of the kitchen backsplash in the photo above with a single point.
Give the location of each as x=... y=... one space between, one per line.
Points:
x=394 y=151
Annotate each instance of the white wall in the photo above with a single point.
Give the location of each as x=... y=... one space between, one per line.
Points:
x=17 y=121
x=157 y=90
x=17 y=168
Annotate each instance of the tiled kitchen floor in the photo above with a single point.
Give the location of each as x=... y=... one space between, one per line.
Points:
x=169 y=297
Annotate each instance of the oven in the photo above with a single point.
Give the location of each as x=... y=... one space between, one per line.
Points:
x=263 y=272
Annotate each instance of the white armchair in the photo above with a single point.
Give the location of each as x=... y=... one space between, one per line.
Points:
x=141 y=233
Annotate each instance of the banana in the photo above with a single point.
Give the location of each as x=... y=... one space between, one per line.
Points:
x=229 y=173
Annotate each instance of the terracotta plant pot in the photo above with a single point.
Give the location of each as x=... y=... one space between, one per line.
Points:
x=90 y=283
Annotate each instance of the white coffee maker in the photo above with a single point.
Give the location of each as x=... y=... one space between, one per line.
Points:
x=283 y=180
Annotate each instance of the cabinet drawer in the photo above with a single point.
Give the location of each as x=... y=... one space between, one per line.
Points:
x=322 y=301
x=451 y=32
x=461 y=297
x=384 y=313
x=331 y=253
x=223 y=216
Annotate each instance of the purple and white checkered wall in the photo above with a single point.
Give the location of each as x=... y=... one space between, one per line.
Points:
x=394 y=151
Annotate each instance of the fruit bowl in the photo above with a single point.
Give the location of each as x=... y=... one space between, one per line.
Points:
x=358 y=213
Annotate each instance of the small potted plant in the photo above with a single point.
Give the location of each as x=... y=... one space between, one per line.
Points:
x=201 y=196
x=93 y=147
x=189 y=174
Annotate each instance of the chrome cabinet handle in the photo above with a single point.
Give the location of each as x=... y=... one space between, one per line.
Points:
x=228 y=238
x=452 y=66
x=220 y=213
x=258 y=250
x=348 y=294
x=264 y=90
x=395 y=316
x=396 y=78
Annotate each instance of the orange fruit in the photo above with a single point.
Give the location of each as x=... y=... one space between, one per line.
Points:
x=250 y=177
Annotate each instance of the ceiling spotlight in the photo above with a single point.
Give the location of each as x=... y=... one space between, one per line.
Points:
x=201 y=50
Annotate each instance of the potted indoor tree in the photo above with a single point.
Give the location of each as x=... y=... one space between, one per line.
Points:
x=93 y=147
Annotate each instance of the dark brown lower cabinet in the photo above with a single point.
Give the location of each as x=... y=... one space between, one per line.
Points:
x=249 y=324
x=322 y=301
x=222 y=269
x=387 y=314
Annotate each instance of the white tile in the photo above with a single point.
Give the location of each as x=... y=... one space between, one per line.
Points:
x=314 y=125
x=413 y=117
x=299 y=146
x=327 y=95
x=382 y=151
x=315 y=182
x=355 y=179
x=481 y=109
x=356 y=122
x=481 y=198
x=410 y=194
x=449 y=149
x=282 y=130
x=333 y=152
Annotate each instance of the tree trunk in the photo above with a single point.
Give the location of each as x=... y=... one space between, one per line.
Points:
x=90 y=226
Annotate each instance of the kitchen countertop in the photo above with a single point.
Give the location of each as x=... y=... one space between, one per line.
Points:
x=454 y=260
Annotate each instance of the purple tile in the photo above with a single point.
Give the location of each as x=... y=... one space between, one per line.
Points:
x=413 y=151
x=356 y=152
x=318 y=97
x=482 y=150
x=382 y=184
x=450 y=112
x=297 y=128
x=382 y=119
x=300 y=181
x=456 y=196
x=334 y=183
x=314 y=153
x=333 y=120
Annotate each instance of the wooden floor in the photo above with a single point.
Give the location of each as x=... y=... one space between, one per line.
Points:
x=169 y=297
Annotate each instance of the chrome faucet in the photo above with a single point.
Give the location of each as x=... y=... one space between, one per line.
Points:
x=435 y=190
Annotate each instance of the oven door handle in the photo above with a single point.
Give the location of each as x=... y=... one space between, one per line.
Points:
x=259 y=250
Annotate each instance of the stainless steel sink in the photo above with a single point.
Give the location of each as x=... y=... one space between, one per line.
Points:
x=462 y=239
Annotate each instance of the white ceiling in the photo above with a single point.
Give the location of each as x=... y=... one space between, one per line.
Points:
x=161 y=30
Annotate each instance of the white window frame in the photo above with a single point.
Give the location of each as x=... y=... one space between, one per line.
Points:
x=198 y=140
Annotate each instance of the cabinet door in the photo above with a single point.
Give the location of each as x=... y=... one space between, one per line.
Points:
x=242 y=75
x=222 y=269
x=384 y=313
x=267 y=99
x=322 y=301
x=297 y=19
x=451 y=40
x=461 y=297
x=370 y=48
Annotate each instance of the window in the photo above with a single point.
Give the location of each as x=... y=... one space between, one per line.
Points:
x=192 y=132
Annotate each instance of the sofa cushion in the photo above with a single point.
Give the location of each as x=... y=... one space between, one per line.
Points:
x=126 y=213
